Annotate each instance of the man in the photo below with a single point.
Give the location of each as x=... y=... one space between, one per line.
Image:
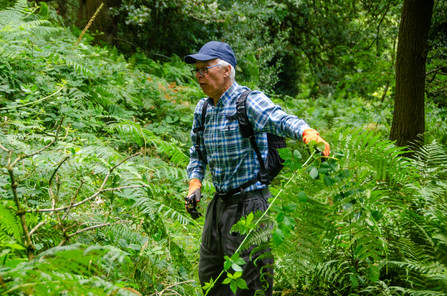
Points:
x=232 y=163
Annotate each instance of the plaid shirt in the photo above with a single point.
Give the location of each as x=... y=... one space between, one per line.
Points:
x=230 y=157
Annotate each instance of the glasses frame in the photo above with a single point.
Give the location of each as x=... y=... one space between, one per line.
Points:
x=203 y=71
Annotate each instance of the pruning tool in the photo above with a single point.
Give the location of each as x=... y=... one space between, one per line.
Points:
x=191 y=206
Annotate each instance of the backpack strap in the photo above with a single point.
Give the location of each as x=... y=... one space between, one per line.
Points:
x=245 y=126
x=200 y=129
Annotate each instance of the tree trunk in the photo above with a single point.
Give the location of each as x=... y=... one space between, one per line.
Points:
x=409 y=113
x=103 y=22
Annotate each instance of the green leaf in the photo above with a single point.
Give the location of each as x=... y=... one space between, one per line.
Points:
x=297 y=154
x=373 y=273
x=289 y=208
x=233 y=286
x=354 y=280
x=289 y=222
x=237 y=274
x=241 y=283
x=278 y=237
x=227 y=265
x=249 y=218
x=328 y=181
x=320 y=146
x=376 y=215
x=314 y=173
x=240 y=261
x=226 y=281
x=235 y=256
x=236 y=267
x=302 y=197
x=285 y=153
x=280 y=217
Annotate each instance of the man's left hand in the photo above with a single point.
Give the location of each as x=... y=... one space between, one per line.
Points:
x=313 y=135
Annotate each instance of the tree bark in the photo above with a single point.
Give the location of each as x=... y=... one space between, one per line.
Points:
x=409 y=111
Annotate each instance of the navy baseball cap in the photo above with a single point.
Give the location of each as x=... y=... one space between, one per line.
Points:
x=213 y=50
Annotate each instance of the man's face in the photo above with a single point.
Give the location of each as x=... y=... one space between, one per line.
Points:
x=215 y=83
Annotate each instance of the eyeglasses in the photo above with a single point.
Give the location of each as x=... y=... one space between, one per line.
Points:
x=203 y=71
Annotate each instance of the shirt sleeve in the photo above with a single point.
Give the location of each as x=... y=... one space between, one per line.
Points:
x=265 y=116
x=196 y=167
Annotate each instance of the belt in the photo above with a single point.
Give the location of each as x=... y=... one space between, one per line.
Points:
x=234 y=199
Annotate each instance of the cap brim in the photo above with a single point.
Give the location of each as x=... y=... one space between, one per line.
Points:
x=192 y=58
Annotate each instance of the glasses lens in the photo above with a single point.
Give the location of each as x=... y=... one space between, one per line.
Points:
x=203 y=71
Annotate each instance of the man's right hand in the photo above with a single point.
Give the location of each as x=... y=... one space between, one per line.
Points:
x=194 y=188
x=193 y=197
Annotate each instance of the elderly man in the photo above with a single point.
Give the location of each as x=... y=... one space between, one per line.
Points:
x=233 y=164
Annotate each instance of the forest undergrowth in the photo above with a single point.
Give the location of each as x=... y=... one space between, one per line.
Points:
x=93 y=151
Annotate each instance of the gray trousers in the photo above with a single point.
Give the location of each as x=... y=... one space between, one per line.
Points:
x=217 y=242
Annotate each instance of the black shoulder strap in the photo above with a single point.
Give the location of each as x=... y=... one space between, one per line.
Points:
x=200 y=129
x=245 y=126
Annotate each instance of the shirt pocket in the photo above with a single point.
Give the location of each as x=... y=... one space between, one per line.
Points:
x=232 y=147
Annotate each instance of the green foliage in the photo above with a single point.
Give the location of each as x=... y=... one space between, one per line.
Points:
x=9 y=226
x=364 y=221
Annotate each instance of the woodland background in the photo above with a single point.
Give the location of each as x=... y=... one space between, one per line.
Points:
x=94 y=140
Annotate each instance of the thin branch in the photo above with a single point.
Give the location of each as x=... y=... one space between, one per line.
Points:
x=73 y=198
x=142 y=49
x=90 y=228
x=89 y=24
x=44 y=148
x=6 y=150
x=37 y=227
x=28 y=243
x=35 y=102
x=100 y=190
x=125 y=187
x=57 y=168
x=168 y=288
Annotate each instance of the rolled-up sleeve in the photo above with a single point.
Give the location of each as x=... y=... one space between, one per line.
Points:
x=196 y=167
x=265 y=116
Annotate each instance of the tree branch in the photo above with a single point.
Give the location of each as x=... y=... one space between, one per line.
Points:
x=72 y=199
x=90 y=228
x=44 y=148
x=100 y=190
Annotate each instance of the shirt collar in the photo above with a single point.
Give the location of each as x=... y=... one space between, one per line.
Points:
x=229 y=94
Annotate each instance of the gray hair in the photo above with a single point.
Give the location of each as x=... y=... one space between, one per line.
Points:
x=224 y=64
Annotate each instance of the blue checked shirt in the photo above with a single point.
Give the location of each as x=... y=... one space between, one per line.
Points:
x=230 y=157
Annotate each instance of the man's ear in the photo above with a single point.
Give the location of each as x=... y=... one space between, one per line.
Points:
x=228 y=71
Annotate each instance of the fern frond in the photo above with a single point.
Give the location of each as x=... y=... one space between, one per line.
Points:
x=9 y=223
